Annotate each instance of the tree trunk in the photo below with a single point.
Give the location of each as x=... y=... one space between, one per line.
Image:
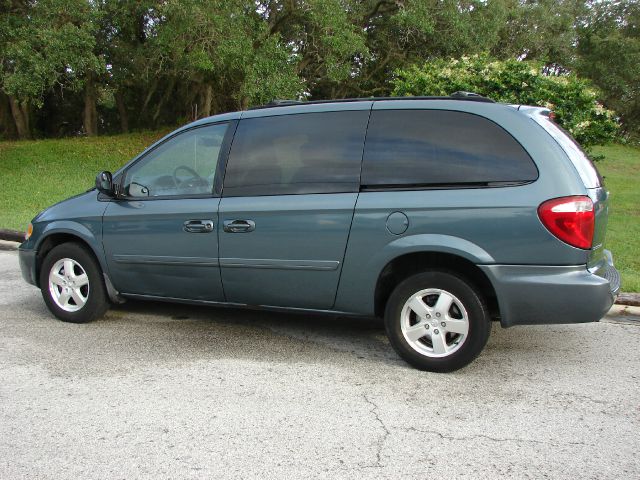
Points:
x=90 y=118
x=7 y=124
x=215 y=105
x=165 y=97
x=122 y=112
x=208 y=98
x=150 y=93
x=20 y=113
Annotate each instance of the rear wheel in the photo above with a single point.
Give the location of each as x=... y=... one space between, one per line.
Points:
x=437 y=321
x=71 y=284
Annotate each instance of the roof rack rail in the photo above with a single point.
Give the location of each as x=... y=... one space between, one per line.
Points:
x=279 y=103
x=468 y=96
x=283 y=102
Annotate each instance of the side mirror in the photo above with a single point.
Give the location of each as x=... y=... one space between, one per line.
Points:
x=104 y=183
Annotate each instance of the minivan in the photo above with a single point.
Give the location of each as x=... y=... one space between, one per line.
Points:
x=438 y=214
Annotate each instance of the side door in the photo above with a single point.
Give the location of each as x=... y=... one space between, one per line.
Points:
x=290 y=189
x=160 y=233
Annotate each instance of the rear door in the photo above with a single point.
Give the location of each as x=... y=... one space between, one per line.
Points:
x=160 y=235
x=289 y=193
x=591 y=180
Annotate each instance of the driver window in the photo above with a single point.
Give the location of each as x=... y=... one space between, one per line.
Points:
x=183 y=165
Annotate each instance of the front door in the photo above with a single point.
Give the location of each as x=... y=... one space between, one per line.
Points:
x=160 y=235
x=289 y=193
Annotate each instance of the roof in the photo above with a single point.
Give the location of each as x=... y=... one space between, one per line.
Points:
x=466 y=96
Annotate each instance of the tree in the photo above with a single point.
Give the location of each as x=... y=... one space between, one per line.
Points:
x=122 y=36
x=543 y=30
x=218 y=56
x=43 y=45
x=609 y=54
x=399 y=33
x=122 y=64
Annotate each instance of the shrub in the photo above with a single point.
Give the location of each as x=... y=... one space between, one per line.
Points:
x=574 y=100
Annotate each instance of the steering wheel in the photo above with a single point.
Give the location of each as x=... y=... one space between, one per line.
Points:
x=194 y=181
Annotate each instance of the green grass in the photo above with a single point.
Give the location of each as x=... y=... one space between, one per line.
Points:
x=37 y=173
x=621 y=169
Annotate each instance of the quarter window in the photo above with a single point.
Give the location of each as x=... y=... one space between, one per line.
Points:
x=296 y=154
x=183 y=165
x=439 y=147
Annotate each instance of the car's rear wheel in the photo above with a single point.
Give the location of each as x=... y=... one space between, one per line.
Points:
x=72 y=285
x=437 y=321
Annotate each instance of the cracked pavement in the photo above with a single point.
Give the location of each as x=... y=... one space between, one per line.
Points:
x=173 y=391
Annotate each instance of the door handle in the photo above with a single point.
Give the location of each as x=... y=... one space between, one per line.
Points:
x=239 y=226
x=198 y=226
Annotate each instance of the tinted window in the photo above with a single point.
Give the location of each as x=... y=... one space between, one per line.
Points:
x=292 y=154
x=437 y=147
x=183 y=165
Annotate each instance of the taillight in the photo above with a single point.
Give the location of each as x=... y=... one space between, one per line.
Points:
x=571 y=219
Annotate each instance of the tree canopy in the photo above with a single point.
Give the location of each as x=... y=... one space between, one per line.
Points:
x=83 y=67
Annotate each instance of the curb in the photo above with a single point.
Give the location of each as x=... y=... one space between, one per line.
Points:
x=11 y=235
x=629 y=299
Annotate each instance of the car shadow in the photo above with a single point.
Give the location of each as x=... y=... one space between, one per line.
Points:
x=362 y=336
x=137 y=333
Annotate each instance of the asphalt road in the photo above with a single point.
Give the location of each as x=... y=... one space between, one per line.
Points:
x=163 y=391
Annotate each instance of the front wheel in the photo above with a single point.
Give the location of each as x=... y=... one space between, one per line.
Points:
x=437 y=321
x=71 y=284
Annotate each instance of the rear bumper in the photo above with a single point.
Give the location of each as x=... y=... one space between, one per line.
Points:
x=606 y=270
x=533 y=295
x=27 y=260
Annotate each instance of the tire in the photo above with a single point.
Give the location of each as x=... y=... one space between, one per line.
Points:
x=451 y=328
x=76 y=297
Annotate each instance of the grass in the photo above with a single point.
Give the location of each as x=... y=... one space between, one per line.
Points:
x=36 y=174
x=621 y=169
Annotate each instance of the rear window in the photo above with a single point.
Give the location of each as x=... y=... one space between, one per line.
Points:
x=585 y=167
x=441 y=148
x=297 y=154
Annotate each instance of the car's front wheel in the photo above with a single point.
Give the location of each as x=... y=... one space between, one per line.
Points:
x=437 y=321
x=71 y=284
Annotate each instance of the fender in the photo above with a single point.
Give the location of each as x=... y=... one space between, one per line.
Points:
x=428 y=242
x=79 y=230
x=356 y=292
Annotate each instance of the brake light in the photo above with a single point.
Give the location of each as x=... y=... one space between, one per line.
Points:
x=571 y=219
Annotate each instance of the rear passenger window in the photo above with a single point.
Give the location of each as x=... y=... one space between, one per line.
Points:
x=295 y=154
x=439 y=147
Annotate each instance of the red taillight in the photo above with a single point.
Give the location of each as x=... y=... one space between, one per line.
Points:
x=571 y=219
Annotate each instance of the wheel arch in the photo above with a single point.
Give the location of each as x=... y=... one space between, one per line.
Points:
x=57 y=235
x=407 y=264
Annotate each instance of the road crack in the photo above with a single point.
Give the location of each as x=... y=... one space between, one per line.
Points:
x=494 y=439
x=386 y=432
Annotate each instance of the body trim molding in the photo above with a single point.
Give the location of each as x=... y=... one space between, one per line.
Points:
x=322 y=265
x=162 y=260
